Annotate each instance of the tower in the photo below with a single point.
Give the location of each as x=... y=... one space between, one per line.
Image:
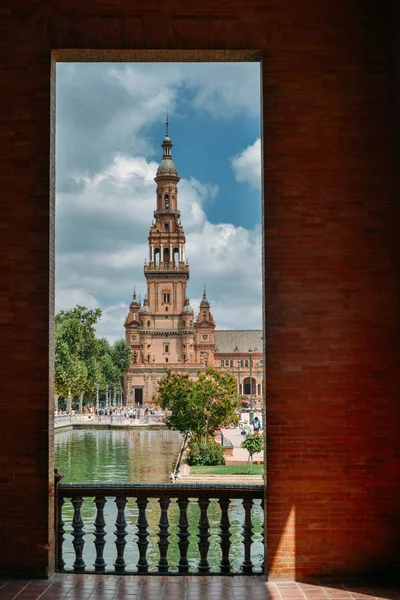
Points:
x=166 y=274
x=205 y=327
x=161 y=331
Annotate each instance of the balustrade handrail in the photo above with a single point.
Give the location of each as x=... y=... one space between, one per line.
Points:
x=183 y=493
x=154 y=490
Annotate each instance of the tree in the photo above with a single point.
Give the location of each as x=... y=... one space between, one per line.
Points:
x=70 y=370
x=121 y=355
x=75 y=351
x=253 y=444
x=81 y=359
x=114 y=362
x=198 y=408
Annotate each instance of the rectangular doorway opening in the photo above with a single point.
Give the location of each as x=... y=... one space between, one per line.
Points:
x=133 y=221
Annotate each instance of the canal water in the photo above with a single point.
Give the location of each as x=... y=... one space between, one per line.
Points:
x=144 y=456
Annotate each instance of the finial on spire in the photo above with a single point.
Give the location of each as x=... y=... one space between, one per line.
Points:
x=166 y=124
x=134 y=292
x=204 y=293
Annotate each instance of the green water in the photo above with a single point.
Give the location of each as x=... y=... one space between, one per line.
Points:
x=143 y=456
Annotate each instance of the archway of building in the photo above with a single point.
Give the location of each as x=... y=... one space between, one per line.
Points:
x=249 y=388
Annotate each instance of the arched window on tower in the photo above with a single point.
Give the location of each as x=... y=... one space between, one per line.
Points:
x=157 y=257
x=204 y=314
x=166 y=255
x=166 y=201
x=176 y=257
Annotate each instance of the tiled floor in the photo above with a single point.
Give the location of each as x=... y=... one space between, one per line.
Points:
x=78 y=587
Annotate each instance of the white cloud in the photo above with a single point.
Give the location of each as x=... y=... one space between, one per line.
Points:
x=224 y=90
x=67 y=298
x=111 y=324
x=247 y=165
x=114 y=210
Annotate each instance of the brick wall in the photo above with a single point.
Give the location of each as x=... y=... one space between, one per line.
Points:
x=331 y=250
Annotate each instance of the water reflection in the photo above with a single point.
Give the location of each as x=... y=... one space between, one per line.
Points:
x=144 y=456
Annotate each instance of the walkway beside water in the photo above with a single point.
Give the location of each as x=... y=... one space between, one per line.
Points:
x=218 y=479
x=239 y=455
x=107 y=422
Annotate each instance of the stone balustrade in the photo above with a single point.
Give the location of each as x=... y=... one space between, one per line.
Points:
x=218 y=533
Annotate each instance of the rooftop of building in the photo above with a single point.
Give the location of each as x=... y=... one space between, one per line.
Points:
x=238 y=340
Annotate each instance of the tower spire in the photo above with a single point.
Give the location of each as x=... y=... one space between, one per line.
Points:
x=166 y=125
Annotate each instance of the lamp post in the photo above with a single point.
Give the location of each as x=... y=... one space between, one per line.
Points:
x=97 y=396
x=121 y=394
x=251 y=386
x=238 y=378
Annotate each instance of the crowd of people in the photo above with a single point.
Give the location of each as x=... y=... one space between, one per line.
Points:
x=126 y=412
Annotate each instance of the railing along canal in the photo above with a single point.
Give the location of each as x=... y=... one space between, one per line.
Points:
x=183 y=496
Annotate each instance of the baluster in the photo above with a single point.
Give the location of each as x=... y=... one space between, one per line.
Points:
x=78 y=533
x=142 y=535
x=263 y=535
x=99 y=534
x=183 y=535
x=203 y=535
x=120 y=534
x=247 y=565
x=60 y=539
x=163 y=535
x=225 y=535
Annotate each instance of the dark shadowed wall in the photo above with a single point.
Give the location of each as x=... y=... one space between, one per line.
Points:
x=330 y=133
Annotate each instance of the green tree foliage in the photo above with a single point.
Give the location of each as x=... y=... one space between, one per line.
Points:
x=82 y=359
x=198 y=408
x=121 y=355
x=253 y=443
x=70 y=371
x=208 y=454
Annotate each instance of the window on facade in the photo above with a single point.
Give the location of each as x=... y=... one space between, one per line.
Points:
x=166 y=348
x=134 y=316
x=148 y=323
x=231 y=363
x=166 y=297
x=166 y=227
x=204 y=314
x=227 y=363
x=222 y=363
x=166 y=360
x=246 y=363
x=166 y=201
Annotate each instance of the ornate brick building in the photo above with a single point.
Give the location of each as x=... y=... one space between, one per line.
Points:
x=163 y=331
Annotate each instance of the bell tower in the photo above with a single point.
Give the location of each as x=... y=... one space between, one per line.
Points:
x=167 y=272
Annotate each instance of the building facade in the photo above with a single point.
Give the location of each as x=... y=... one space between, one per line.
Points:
x=163 y=331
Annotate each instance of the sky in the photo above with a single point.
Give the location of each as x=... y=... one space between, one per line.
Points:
x=110 y=123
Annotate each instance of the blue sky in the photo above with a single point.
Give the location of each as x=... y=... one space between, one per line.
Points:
x=110 y=123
